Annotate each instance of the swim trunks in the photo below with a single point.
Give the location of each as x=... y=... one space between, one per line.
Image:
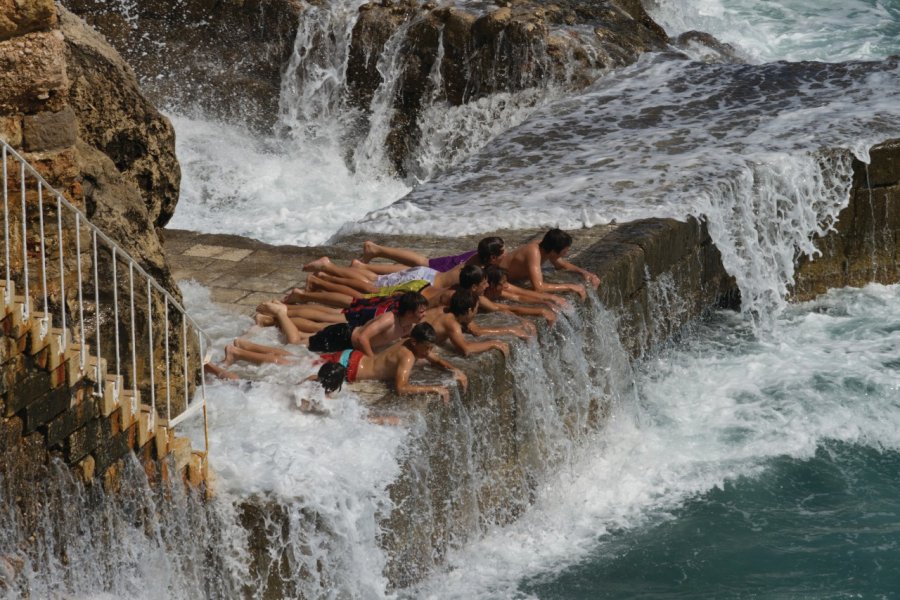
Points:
x=447 y=263
x=416 y=285
x=363 y=310
x=410 y=274
x=350 y=359
x=332 y=339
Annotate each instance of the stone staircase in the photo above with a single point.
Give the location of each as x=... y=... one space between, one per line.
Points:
x=83 y=413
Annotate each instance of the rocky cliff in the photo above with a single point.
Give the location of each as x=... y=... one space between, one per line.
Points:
x=229 y=58
x=70 y=102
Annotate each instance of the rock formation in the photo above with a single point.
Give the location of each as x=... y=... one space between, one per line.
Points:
x=224 y=58
x=228 y=58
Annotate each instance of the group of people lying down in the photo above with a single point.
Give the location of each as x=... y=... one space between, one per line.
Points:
x=374 y=321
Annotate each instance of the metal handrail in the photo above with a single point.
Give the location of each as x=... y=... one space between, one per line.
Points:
x=79 y=330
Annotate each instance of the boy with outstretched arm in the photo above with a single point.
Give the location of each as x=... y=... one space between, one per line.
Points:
x=524 y=263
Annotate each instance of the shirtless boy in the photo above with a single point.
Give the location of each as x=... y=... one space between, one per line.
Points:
x=395 y=363
x=377 y=333
x=457 y=319
x=524 y=263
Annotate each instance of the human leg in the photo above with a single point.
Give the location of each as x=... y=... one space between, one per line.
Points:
x=401 y=255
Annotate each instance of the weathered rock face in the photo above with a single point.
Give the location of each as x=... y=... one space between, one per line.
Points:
x=453 y=55
x=227 y=58
x=223 y=57
x=866 y=244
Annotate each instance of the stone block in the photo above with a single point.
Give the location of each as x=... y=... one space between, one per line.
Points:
x=10 y=372
x=113 y=449
x=83 y=441
x=33 y=73
x=10 y=433
x=86 y=469
x=44 y=409
x=71 y=419
x=47 y=131
x=181 y=450
x=884 y=168
x=34 y=385
x=11 y=130
x=18 y=18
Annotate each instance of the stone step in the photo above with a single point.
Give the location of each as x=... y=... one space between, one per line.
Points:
x=129 y=405
x=39 y=333
x=112 y=385
x=145 y=418
x=197 y=468
x=182 y=451
x=5 y=306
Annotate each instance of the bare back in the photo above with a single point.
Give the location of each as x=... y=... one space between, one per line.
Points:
x=384 y=365
x=519 y=262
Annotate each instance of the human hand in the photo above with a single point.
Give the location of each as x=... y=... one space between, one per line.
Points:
x=592 y=279
x=462 y=379
x=529 y=328
x=550 y=315
x=444 y=393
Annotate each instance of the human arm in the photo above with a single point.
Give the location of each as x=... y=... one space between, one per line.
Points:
x=457 y=374
x=519 y=294
x=466 y=347
x=591 y=278
x=362 y=341
x=523 y=332
x=403 y=386
x=536 y=276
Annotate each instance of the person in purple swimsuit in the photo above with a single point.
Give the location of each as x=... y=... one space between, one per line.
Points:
x=489 y=251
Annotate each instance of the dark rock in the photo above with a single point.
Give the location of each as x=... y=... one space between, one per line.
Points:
x=49 y=130
x=43 y=409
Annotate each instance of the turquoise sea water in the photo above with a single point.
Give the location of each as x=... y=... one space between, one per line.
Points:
x=799 y=428
x=821 y=527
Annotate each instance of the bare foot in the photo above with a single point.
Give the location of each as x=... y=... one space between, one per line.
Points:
x=264 y=320
x=219 y=371
x=317 y=265
x=273 y=308
x=370 y=251
x=358 y=263
x=312 y=283
x=293 y=297
x=229 y=354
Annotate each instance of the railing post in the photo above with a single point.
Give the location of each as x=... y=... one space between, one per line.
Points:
x=26 y=306
x=82 y=340
x=152 y=364
x=62 y=272
x=44 y=321
x=97 y=318
x=168 y=372
x=116 y=312
x=8 y=291
x=134 y=385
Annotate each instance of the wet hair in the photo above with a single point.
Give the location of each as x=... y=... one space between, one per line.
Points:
x=555 y=240
x=409 y=302
x=462 y=302
x=494 y=275
x=470 y=276
x=331 y=376
x=423 y=333
x=488 y=248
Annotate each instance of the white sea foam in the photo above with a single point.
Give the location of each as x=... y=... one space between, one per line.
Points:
x=336 y=466
x=717 y=409
x=794 y=30
x=279 y=190
x=741 y=144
